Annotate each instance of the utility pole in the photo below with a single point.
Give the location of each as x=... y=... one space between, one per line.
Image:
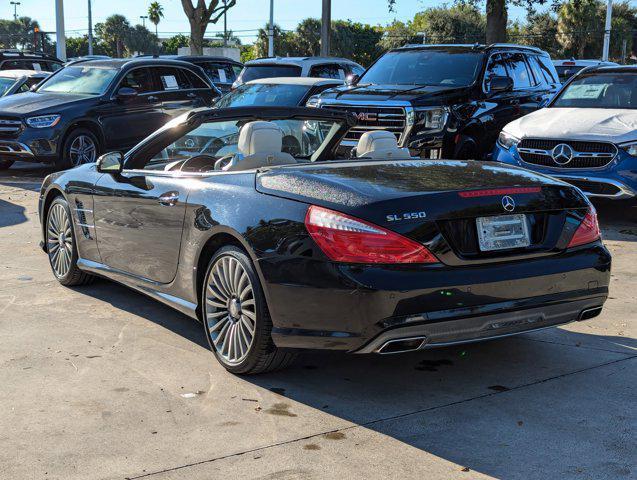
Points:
x=271 y=31
x=15 y=10
x=143 y=17
x=609 y=14
x=59 y=30
x=90 y=29
x=326 y=24
x=225 y=24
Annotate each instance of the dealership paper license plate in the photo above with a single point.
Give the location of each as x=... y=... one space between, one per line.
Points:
x=502 y=232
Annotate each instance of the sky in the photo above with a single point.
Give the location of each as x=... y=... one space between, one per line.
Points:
x=243 y=19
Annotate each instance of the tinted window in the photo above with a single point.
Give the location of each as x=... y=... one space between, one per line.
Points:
x=424 y=67
x=24 y=65
x=548 y=69
x=172 y=78
x=495 y=68
x=220 y=72
x=264 y=95
x=328 y=71
x=23 y=88
x=139 y=79
x=193 y=79
x=601 y=90
x=566 y=72
x=254 y=72
x=77 y=79
x=5 y=84
x=53 y=66
x=519 y=71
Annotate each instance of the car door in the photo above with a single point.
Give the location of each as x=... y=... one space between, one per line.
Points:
x=139 y=217
x=126 y=121
x=181 y=90
x=527 y=93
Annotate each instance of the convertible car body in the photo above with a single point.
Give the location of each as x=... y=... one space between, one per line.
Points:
x=278 y=250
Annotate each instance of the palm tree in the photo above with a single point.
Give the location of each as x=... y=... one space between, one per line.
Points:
x=155 y=14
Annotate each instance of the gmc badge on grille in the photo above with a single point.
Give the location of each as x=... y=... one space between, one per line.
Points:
x=366 y=116
x=406 y=216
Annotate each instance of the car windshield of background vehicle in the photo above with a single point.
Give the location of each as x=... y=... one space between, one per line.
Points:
x=301 y=139
x=220 y=72
x=5 y=85
x=424 y=67
x=600 y=90
x=254 y=72
x=80 y=80
x=264 y=95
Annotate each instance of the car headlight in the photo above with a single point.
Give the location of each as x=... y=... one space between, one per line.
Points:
x=507 y=140
x=433 y=119
x=313 y=101
x=630 y=148
x=43 y=121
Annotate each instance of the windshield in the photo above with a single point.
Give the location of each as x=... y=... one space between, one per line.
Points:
x=600 y=90
x=5 y=84
x=220 y=72
x=254 y=72
x=84 y=80
x=200 y=149
x=264 y=94
x=424 y=67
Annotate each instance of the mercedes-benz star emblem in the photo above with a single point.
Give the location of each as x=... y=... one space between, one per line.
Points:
x=562 y=154
x=508 y=203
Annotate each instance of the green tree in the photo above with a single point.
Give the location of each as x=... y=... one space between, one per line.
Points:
x=141 y=40
x=540 y=30
x=397 y=34
x=461 y=23
x=202 y=14
x=155 y=14
x=173 y=44
x=78 y=47
x=285 y=43
x=356 y=41
x=308 y=34
x=578 y=27
x=113 y=34
x=22 y=34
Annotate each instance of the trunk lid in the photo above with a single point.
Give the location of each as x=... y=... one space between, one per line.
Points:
x=425 y=200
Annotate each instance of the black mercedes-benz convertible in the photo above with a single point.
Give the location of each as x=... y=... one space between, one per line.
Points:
x=245 y=219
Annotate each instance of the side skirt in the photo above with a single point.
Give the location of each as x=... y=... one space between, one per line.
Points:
x=142 y=285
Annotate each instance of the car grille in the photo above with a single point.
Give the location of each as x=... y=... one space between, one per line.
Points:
x=584 y=154
x=392 y=119
x=10 y=127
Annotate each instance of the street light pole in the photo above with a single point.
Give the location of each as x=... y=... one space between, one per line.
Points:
x=15 y=9
x=326 y=23
x=90 y=29
x=271 y=31
x=609 y=14
x=59 y=30
x=143 y=17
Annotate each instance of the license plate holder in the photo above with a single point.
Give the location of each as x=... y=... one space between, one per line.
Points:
x=503 y=232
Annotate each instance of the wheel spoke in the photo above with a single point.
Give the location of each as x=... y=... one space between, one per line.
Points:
x=246 y=321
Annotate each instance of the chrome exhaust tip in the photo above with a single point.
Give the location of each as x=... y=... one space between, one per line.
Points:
x=401 y=345
x=589 y=313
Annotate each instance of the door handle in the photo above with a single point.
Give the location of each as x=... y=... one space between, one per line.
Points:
x=191 y=95
x=169 y=199
x=153 y=98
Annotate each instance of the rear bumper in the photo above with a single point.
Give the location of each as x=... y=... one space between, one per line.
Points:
x=358 y=308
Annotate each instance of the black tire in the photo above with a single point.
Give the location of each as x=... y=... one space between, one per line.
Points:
x=5 y=164
x=69 y=276
x=67 y=158
x=261 y=353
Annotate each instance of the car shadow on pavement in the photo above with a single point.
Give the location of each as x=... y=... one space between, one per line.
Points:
x=11 y=214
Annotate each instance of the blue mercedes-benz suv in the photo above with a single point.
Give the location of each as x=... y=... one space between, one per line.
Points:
x=586 y=136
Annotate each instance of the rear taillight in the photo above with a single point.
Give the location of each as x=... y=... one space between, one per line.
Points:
x=588 y=230
x=347 y=239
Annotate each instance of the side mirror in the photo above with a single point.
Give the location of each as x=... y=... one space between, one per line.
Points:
x=352 y=79
x=500 y=84
x=112 y=162
x=126 y=93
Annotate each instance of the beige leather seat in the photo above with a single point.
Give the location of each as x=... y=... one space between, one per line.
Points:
x=259 y=146
x=380 y=145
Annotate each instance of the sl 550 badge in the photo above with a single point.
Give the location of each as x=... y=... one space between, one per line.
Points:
x=406 y=216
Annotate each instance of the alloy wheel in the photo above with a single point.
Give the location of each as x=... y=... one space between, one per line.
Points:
x=82 y=150
x=59 y=240
x=230 y=309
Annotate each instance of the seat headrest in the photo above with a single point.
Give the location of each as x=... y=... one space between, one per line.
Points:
x=260 y=137
x=376 y=140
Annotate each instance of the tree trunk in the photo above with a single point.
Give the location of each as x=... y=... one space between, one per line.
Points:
x=496 y=21
x=197 y=31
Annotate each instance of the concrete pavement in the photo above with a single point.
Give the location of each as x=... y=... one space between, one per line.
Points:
x=100 y=382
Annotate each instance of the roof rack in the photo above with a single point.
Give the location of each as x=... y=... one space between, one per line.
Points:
x=515 y=45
